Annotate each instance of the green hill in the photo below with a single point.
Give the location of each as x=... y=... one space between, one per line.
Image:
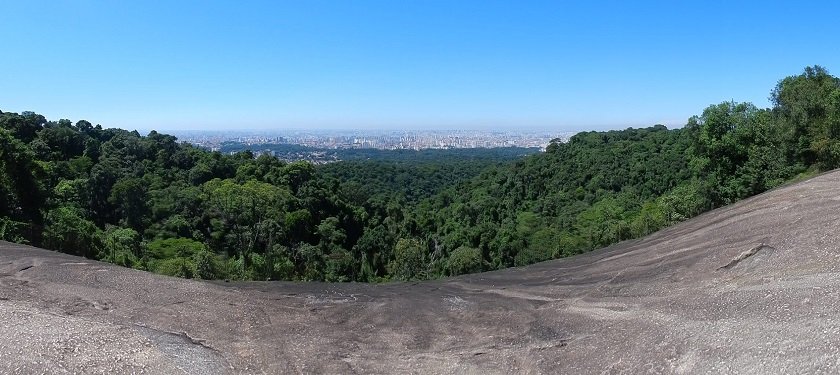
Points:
x=152 y=203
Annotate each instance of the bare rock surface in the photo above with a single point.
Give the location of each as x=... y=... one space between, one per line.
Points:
x=750 y=288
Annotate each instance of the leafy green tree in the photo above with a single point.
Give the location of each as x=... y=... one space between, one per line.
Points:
x=372 y=250
x=121 y=246
x=296 y=174
x=409 y=261
x=312 y=261
x=21 y=194
x=177 y=267
x=13 y=231
x=24 y=126
x=206 y=265
x=245 y=209
x=339 y=263
x=541 y=245
x=464 y=260
x=602 y=223
x=299 y=224
x=650 y=218
x=130 y=197
x=64 y=142
x=67 y=230
x=174 y=247
x=683 y=202
x=807 y=107
x=102 y=178
x=176 y=257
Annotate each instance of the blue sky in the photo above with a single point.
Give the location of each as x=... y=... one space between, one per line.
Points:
x=420 y=64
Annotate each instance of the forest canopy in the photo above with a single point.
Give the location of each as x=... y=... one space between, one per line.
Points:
x=152 y=203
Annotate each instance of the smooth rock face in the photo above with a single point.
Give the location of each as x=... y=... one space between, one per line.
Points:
x=750 y=288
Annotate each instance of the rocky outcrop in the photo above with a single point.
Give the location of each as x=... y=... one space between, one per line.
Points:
x=749 y=288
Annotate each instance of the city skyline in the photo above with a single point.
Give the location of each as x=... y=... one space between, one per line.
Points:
x=382 y=140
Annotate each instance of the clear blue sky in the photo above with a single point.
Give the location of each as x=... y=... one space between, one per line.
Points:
x=402 y=64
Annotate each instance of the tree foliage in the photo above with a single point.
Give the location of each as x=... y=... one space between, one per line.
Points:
x=149 y=202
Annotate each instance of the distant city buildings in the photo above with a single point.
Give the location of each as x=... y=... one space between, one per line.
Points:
x=382 y=140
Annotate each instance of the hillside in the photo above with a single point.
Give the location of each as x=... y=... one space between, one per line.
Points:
x=748 y=288
x=151 y=203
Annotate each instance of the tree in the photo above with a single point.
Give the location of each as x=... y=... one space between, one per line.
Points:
x=464 y=260
x=24 y=126
x=807 y=107
x=102 y=178
x=541 y=245
x=130 y=197
x=176 y=257
x=296 y=174
x=67 y=230
x=724 y=135
x=248 y=211
x=372 y=250
x=650 y=219
x=21 y=194
x=409 y=260
x=121 y=246
x=13 y=231
x=206 y=265
x=339 y=263
x=64 y=142
x=601 y=224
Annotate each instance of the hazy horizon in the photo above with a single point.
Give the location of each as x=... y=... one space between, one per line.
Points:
x=379 y=64
x=373 y=130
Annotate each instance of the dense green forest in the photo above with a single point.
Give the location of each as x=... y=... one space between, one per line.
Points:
x=152 y=203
